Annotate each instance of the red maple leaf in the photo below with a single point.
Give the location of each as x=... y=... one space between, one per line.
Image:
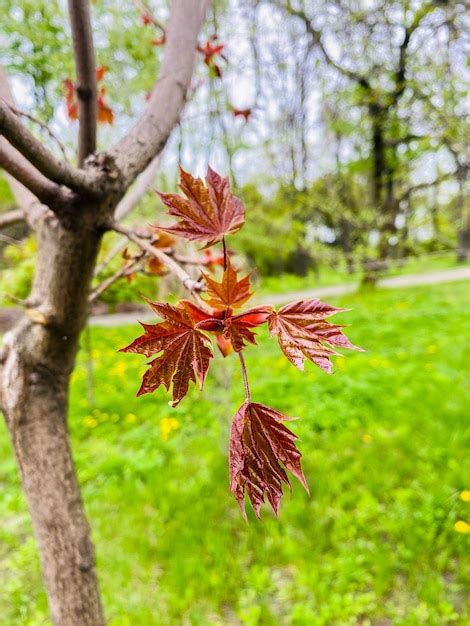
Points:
x=259 y=443
x=212 y=49
x=104 y=113
x=207 y=213
x=185 y=351
x=159 y=41
x=303 y=333
x=211 y=321
x=245 y=113
x=146 y=19
x=210 y=260
x=70 y=100
x=231 y=292
x=237 y=328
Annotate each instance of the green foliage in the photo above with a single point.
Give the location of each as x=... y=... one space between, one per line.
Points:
x=385 y=451
x=17 y=275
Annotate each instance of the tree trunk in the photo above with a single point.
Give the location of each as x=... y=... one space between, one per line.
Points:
x=40 y=356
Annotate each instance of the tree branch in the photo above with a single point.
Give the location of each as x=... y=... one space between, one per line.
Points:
x=21 y=169
x=16 y=216
x=86 y=87
x=316 y=41
x=25 y=142
x=148 y=136
x=440 y=179
x=177 y=270
x=123 y=271
x=400 y=74
x=136 y=193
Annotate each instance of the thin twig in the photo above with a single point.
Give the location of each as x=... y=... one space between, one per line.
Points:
x=122 y=271
x=245 y=376
x=171 y=264
x=42 y=125
x=145 y=11
x=225 y=253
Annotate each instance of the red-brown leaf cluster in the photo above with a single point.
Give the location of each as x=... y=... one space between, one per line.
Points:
x=104 y=113
x=212 y=50
x=262 y=448
x=245 y=113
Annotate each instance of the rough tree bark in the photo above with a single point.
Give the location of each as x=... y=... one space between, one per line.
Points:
x=39 y=353
x=36 y=376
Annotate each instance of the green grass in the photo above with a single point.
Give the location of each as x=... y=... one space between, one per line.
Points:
x=384 y=442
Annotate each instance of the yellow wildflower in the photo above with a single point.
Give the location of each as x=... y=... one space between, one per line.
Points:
x=432 y=349
x=366 y=438
x=167 y=426
x=465 y=495
x=131 y=418
x=462 y=527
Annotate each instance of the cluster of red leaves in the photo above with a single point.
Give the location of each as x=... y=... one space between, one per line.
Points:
x=152 y=265
x=105 y=114
x=212 y=50
x=262 y=448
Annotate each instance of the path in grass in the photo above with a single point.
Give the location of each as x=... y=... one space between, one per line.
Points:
x=412 y=280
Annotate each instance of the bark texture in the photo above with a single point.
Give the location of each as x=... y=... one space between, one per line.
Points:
x=40 y=358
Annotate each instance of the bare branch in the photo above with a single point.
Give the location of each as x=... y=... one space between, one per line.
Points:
x=16 y=216
x=21 y=169
x=43 y=160
x=317 y=41
x=148 y=136
x=400 y=74
x=85 y=67
x=42 y=125
x=145 y=11
x=27 y=201
x=136 y=193
x=125 y=270
x=174 y=268
x=420 y=186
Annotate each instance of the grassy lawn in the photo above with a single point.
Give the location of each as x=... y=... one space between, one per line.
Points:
x=385 y=444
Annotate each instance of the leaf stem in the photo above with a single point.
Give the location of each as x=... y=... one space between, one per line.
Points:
x=245 y=377
x=225 y=253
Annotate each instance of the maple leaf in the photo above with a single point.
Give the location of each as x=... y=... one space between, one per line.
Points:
x=237 y=328
x=212 y=49
x=70 y=100
x=259 y=443
x=159 y=41
x=104 y=113
x=210 y=260
x=245 y=113
x=185 y=351
x=207 y=213
x=231 y=292
x=303 y=333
